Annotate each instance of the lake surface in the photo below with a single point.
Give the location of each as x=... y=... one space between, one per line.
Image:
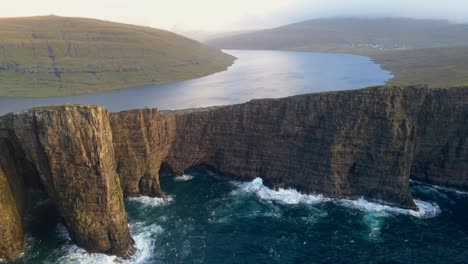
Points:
x=207 y=220
x=256 y=74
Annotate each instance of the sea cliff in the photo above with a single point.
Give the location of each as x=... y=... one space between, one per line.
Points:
x=350 y=144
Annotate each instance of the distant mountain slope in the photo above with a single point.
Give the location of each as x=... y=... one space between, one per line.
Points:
x=356 y=35
x=49 y=56
x=439 y=67
x=433 y=52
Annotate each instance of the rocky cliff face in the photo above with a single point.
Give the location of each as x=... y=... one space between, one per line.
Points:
x=11 y=231
x=441 y=145
x=344 y=145
x=349 y=144
x=142 y=139
x=71 y=148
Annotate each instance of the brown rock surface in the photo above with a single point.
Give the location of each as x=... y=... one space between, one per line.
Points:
x=344 y=144
x=142 y=139
x=71 y=147
x=12 y=240
x=349 y=144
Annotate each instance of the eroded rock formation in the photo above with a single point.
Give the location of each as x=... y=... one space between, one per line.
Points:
x=365 y=143
x=142 y=139
x=343 y=145
x=71 y=148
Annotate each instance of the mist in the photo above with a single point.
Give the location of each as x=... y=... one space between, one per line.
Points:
x=455 y=11
x=216 y=16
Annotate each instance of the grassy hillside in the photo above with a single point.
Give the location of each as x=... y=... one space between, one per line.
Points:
x=50 y=56
x=417 y=51
x=438 y=67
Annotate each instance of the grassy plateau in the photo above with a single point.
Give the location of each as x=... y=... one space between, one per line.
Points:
x=58 y=56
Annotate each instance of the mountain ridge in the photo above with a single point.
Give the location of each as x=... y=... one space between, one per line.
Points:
x=429 y=52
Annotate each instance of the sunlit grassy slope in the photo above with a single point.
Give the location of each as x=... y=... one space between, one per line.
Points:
x=52 y=56
x=433 y=52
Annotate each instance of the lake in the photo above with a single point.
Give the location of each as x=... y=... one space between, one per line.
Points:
x=256 y=74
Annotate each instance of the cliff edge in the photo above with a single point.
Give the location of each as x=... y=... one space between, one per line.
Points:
x=349 y=144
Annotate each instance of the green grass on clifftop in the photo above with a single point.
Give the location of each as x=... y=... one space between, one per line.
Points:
x=53 y=56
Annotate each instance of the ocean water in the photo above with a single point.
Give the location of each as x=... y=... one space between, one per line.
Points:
x=256 y=74
x=204 y=219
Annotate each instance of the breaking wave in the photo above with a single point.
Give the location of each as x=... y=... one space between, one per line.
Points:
x=144 y=236
x=283 y=196
x=426 y=209
x=184 y=177
x=291 y=196
x=152 y=201
x=439 y=188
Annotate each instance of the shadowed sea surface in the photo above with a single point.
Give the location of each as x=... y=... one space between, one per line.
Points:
x=256 y=74
x=204 y=219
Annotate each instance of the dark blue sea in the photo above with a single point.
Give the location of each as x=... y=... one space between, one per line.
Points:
x=204 y=219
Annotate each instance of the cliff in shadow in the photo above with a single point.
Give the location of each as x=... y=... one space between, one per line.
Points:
x=441 y=146
x=350 y=144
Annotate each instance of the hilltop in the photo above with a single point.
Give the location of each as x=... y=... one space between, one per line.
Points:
x=53 y=56
x=416 y=51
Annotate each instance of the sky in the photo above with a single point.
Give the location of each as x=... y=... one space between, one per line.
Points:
x=232 y=15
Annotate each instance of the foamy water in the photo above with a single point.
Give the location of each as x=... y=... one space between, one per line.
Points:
x=185 y=177
x=144 y=236
x=208 y=220
x=152 y=201
x=291 y=196
x=440 y=188
x=283 y=196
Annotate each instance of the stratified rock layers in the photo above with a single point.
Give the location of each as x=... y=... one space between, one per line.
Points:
x=344 y=145
x=72 y=149
x=441 y=145
x=142 y=139
x=365 y=143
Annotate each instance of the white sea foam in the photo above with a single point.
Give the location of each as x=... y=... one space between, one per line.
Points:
x=441 y=188
x=291 y=196
x=153 y=201
x=71 y=253
x=284 y=196
x=144 y=236
x=426 y=209
x=185 y=177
